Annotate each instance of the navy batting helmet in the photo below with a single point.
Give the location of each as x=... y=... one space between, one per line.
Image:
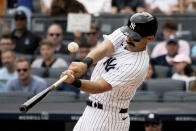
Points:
x=140 y=25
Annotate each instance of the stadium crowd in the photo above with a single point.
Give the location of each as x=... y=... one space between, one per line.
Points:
x=47 y=56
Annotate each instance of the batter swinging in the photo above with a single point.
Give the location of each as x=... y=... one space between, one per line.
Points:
x=122 y=64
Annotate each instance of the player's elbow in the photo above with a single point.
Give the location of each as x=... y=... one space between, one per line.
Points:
x=101 y=86
x=101 y=89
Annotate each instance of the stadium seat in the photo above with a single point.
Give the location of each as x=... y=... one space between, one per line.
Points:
x=67 y=58
x=194 y=67
x=14 y=97
x=83 y=97
x=38 y=71
x=191 y=43
x=50 y=80
x=185 y=35
x=163 y=85
x=193 y=61
x=145 y=96
x=176 y=96
x=162 y=71
x=56 y=72
x=29 y=57
x=107 y=23
x=63 y=96
x=190 y=97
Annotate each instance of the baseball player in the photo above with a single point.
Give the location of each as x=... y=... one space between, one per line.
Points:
x=122 y=64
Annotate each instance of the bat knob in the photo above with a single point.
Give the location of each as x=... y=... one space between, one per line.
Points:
x=23 y=109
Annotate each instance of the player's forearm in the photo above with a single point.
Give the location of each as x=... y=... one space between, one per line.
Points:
x=104 y=49
x=94 y=87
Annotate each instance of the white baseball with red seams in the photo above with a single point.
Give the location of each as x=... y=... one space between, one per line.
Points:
x=73 y=47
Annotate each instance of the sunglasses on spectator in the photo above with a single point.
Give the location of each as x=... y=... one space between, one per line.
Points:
x=20 y=18
x=91 y=33
x=54 y=34
x=24 y=70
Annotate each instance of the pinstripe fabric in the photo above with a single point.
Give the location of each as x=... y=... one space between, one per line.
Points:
x=125 y=71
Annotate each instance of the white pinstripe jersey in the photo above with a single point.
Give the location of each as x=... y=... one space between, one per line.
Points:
x=124 y=70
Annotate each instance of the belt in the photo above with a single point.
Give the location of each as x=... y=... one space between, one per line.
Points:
x=100 y=106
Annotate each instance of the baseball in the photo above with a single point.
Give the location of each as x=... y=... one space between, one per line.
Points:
x=73 y=47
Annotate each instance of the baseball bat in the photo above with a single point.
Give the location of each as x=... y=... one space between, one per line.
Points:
x=38 y=97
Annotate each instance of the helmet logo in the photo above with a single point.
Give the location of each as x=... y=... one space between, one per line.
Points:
x=132 y=26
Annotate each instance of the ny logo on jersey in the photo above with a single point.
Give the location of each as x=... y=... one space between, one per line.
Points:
x=108 y=64
x=132 y=26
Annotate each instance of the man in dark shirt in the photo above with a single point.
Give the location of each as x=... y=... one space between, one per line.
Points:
x=26 y=42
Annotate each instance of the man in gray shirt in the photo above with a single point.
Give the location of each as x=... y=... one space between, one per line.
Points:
x=25 y=82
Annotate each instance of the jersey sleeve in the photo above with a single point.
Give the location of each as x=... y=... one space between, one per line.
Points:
x=117 y=38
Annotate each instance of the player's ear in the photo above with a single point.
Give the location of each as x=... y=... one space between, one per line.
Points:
x=150 y=38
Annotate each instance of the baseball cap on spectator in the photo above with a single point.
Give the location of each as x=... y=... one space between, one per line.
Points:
x=19 y=14
x=182 y=58
x=153 y=118
x=172 y=39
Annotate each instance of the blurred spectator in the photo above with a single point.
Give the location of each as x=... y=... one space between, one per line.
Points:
x=26 y=42
x=5 y=26
x=153 y=123
x=170 y=28
x=83 y=52
x=6 y=44
x=46 y=6
x=8 y=70
x=127 y=6
x=172 y=50
x=11 y=6
x=167 y=7
x=28 y=14
x=55 y=34
x=187 y=6
x=63 y=7
x=192 y=87
x=91 y=37
x=151 y=72
x=97 y=7
x=48 y=60
x=2 y=6
x=25 y=81
x=183 y=69
x=193 y=52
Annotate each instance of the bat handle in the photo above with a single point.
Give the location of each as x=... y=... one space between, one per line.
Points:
x=58 y=82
